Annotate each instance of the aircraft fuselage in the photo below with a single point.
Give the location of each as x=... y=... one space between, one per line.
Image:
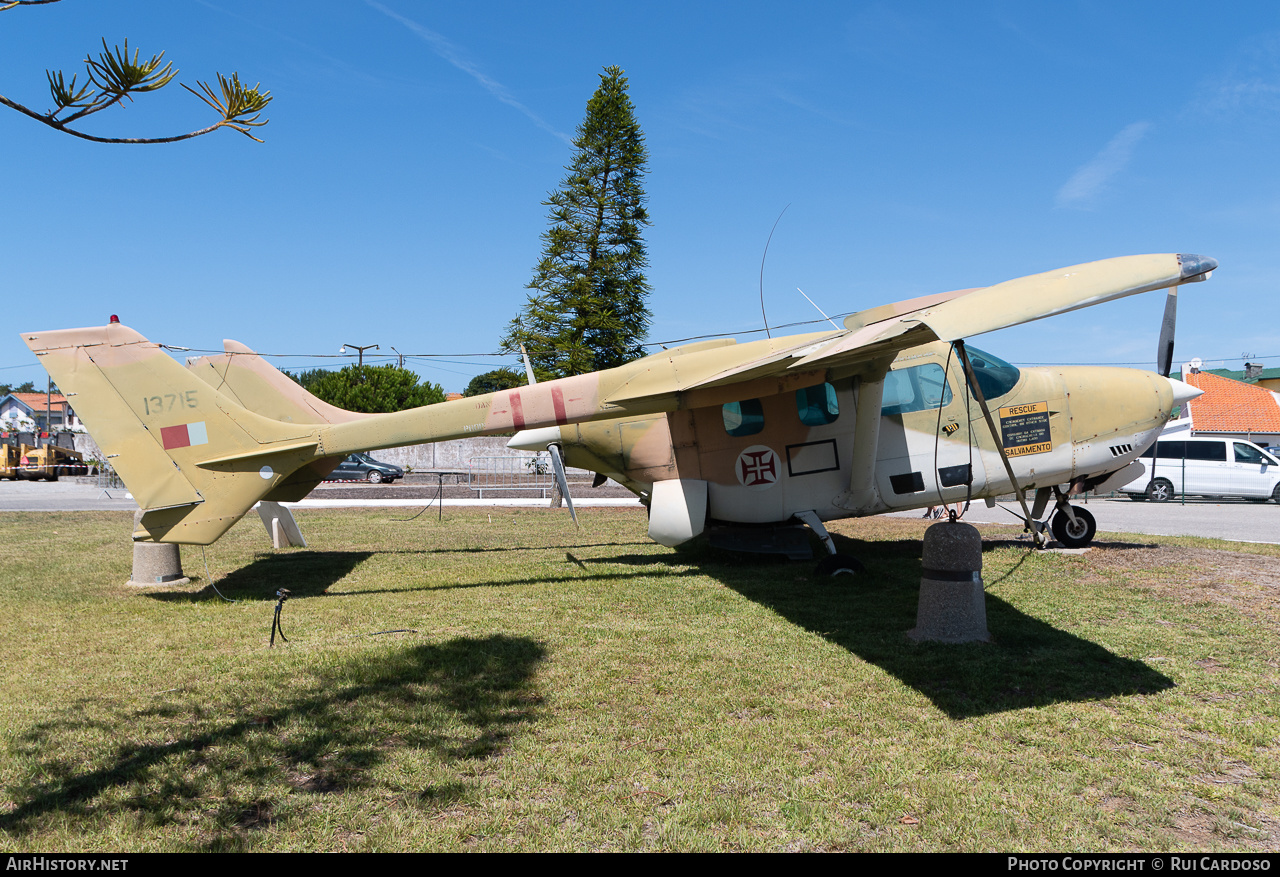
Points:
x=766 y=458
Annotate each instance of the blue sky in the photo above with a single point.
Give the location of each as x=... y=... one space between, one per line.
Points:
x=397 y=199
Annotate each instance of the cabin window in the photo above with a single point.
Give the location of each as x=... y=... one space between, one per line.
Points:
x=995 y=376
x=817 y=406
x=919 y=388
x=1167 y=450
x=743 y=418
x=1214 y=452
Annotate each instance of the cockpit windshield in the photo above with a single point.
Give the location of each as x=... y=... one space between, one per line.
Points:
x=995 y=376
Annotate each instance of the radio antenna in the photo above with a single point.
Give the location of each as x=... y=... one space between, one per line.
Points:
x=764 y=316
x=816 y=308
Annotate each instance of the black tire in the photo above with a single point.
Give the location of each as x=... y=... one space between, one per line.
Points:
x=374 y=477
x=1076 y=535
x=839 y=564
x=1160 y=490
x=1275 y=494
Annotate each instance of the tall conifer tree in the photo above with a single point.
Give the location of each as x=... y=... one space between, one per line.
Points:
x=588 y=311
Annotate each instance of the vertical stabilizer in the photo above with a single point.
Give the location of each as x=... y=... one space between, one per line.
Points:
x=193 y=458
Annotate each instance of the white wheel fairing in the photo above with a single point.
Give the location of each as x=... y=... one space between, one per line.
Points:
x=677 y=510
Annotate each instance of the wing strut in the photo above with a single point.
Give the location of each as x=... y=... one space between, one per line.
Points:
x=557 y=453
x=995 y=436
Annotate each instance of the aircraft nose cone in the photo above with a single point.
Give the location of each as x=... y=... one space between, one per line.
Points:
x=1183 y=392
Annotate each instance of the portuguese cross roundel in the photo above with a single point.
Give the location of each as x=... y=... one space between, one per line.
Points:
x=758 y=467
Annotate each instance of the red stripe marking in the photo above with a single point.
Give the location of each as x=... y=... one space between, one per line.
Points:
x=174 y=437
x=557 y=402
x=517 y=411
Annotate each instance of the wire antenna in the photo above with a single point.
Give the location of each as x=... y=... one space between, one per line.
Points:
x=816 y=308
x=765 y=255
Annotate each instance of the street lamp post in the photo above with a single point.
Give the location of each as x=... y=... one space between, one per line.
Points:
x=359 y=348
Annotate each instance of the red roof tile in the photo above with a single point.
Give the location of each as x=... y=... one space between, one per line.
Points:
x=36 y=401
x=1231 y=406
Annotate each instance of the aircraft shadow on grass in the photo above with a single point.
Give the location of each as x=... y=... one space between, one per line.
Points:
x=180 y=760
x=1029 y=663
x=304 y=573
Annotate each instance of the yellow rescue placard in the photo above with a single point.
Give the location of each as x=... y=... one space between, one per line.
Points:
x=1024 y=429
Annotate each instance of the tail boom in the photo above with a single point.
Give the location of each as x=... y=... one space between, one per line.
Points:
x=196 y=460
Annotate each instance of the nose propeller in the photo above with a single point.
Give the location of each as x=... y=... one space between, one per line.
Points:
x=1164 y=350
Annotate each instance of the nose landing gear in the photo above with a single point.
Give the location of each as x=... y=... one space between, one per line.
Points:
x=1072 y=525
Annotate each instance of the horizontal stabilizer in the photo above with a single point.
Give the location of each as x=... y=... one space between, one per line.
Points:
x=258 y=453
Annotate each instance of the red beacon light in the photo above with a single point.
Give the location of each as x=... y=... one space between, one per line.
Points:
x=114 y=318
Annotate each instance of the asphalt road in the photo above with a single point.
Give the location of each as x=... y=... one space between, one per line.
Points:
x=1235 y=520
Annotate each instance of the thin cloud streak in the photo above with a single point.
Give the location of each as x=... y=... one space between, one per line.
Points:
x=446 y=50
x=1087 y=183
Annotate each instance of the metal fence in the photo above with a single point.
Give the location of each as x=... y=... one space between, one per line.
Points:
x=510 y=473
x=106 y=479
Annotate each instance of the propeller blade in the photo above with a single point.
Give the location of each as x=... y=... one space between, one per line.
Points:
x=1164 y=352
x=557 y=464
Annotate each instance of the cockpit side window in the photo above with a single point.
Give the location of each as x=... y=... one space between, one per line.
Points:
x=817 y=406
x=995 y=376
x=918 y=388
x=743 y=418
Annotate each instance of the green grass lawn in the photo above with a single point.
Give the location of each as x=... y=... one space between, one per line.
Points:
x=501 y=681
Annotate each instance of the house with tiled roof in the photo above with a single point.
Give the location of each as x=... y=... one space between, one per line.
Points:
x=1232 y=408
x=38 y=407
x=1254 y=373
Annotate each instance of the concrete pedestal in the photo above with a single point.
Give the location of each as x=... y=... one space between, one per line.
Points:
x=953 y=605
x=156 y=563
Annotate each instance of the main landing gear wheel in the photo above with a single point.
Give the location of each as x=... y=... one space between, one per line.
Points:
x=374 y=476
x=839 y=565
x=1160 y=490
x=1077 y=533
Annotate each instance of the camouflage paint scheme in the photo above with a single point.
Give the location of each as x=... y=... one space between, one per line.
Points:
x=199 y=446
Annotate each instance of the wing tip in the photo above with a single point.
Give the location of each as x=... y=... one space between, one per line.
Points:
x=1192 y=267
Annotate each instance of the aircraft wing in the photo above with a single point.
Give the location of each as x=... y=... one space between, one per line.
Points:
x=886 y=330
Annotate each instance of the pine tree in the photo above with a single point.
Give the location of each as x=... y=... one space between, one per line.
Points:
x=588 y=311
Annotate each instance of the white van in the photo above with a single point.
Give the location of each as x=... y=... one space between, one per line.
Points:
x=1204 y=466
